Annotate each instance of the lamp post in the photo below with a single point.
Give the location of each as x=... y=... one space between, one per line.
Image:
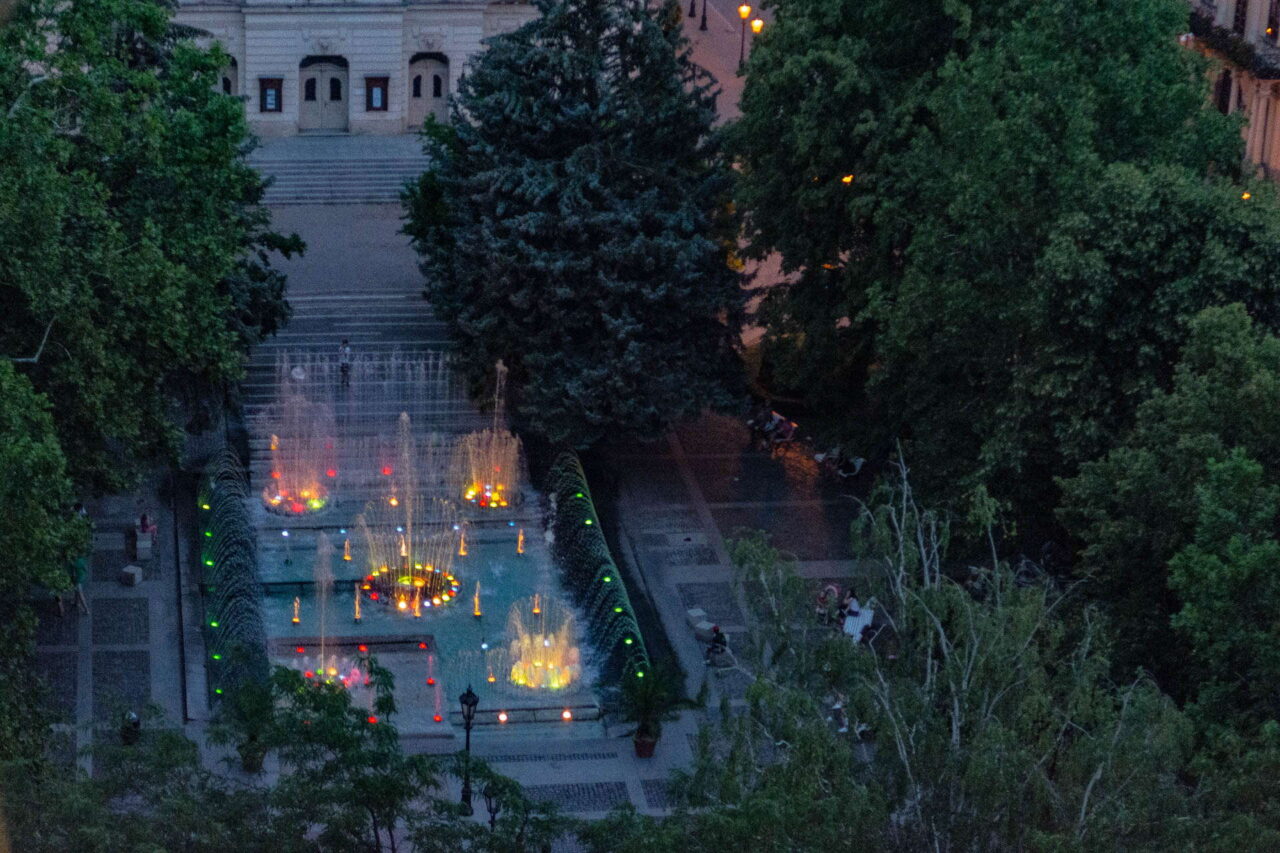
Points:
x=703 y=26
x=493 y=803
x=468 y=700
x=693 y=8
x=744 y=12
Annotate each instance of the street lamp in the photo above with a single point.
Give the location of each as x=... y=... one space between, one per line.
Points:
x=468 y=700
x=693 y=8
x=744 y=12
x=756 y=26
x=493 y=804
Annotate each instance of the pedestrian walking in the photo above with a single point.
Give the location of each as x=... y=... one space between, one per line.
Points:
x=344 y=362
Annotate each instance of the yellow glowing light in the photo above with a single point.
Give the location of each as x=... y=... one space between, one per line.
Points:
x=346 y=550
x=757 y=25
x=394 y=501
x=1246 y=196
x=744 y=11
x=435 y=599
x=502 y=716
x=462 y=545
x=402 y=604
x=847 y=179
x=520 y=541
x=333 y=670
x=297 y=605
x=566 y=715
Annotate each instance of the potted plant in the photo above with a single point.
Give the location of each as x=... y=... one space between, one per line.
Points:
x=649 y=698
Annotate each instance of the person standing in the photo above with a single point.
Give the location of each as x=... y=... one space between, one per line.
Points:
x=344 y=361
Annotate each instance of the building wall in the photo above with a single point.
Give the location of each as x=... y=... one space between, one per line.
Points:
x=376 y=38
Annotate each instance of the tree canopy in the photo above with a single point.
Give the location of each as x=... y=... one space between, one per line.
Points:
x=573 y=224
x=999 y=216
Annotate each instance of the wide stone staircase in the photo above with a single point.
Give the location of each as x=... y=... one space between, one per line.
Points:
x=339 y=181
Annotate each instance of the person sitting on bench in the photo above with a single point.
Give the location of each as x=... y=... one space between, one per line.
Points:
x=719 y=645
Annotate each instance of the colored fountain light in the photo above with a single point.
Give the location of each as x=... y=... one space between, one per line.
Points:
x=301 y=454
x=410 y=540
x=542 y=653
x=486 y=463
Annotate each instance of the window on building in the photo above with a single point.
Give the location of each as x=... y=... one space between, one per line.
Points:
x=335 y=89
x=270 y=94
x=309 y=89
x=1241 y=19
x=1273 y=21
x=226 y=85
x=375 y=94
x=437 y=86
x=417 y=85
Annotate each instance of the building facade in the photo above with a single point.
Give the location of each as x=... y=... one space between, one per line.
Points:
x=1244 y=35
x=371 y=66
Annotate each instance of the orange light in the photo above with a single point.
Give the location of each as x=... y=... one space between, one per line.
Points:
x=275 y=475
x=363 y=648
x=744 y=11
x=847 y=179
x=1246 y=196
x=431 y=682
x=393 y=501
x=437 y=718
x=566 y=715
x=757 y=25
x=502 y=716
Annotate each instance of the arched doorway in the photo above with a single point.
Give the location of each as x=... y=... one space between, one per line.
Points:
x=428 y=88
x=323 y=95
x=230 y=78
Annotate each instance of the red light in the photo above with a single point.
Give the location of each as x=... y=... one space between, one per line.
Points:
x=363 y=647
x=386 y=470
x=431 y=682
x=422 y=645
x=309 y=674
x=332 y=472
x=372 y=720
x=438 y=718
x=275 y=475
x=374 y=596
x=300 y=649
x=296 y=507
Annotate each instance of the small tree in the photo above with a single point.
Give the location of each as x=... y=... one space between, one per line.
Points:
x=572 y=224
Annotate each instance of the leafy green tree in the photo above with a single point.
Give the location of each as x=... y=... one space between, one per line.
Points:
x=998 y=216
x=572 y=224
x=1228 y=580
x=981 y=717
x=134 y=299
x=1135 y=508
x=39 y=537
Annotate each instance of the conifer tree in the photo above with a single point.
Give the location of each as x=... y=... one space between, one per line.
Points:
x=574 y=224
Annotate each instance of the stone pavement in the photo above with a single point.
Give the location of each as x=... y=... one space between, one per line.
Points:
x=681 y=499
x=123 y=654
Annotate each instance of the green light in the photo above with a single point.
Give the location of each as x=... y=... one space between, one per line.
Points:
x=608 y=578
x=640 y=674
x=588 y=522
x=205 y=506
x=578 y=495
x=217 y=657
x=617 y=610
x=208 y=562
x=627 y=641
x=218 y=690
x=208 y=533
x=213 y=624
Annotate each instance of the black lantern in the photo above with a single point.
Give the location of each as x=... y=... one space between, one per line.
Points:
x=469 y=701
x=493 y=803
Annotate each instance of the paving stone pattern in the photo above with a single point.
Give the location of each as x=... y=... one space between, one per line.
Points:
x=121 y=621
x=60 y=672
x=570 y=756
x=55 y=630
x=714 y=598
x=120 y=680
x=657 y=793
x=581 y=797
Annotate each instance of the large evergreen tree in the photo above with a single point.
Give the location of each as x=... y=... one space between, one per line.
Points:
x=1000 y=214
x=572 y=224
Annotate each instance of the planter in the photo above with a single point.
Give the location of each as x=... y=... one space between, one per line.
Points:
x=645 y=744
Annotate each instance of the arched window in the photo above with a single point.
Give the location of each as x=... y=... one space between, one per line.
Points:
x=1241 y=18
x=226 y=85
x=335 y=89
x=1223 y=92
x=417 y=85
x=437 y=86
x=309 y=89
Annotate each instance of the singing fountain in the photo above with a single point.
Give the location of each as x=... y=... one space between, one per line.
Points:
x=486 y=463
x=303 y=461
x=542 y=653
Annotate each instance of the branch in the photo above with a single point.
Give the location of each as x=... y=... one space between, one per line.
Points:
x=34 y=358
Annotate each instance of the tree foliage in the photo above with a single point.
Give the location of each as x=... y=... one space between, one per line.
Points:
x=999 y=216
x=148 y=275
x=573 y=224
